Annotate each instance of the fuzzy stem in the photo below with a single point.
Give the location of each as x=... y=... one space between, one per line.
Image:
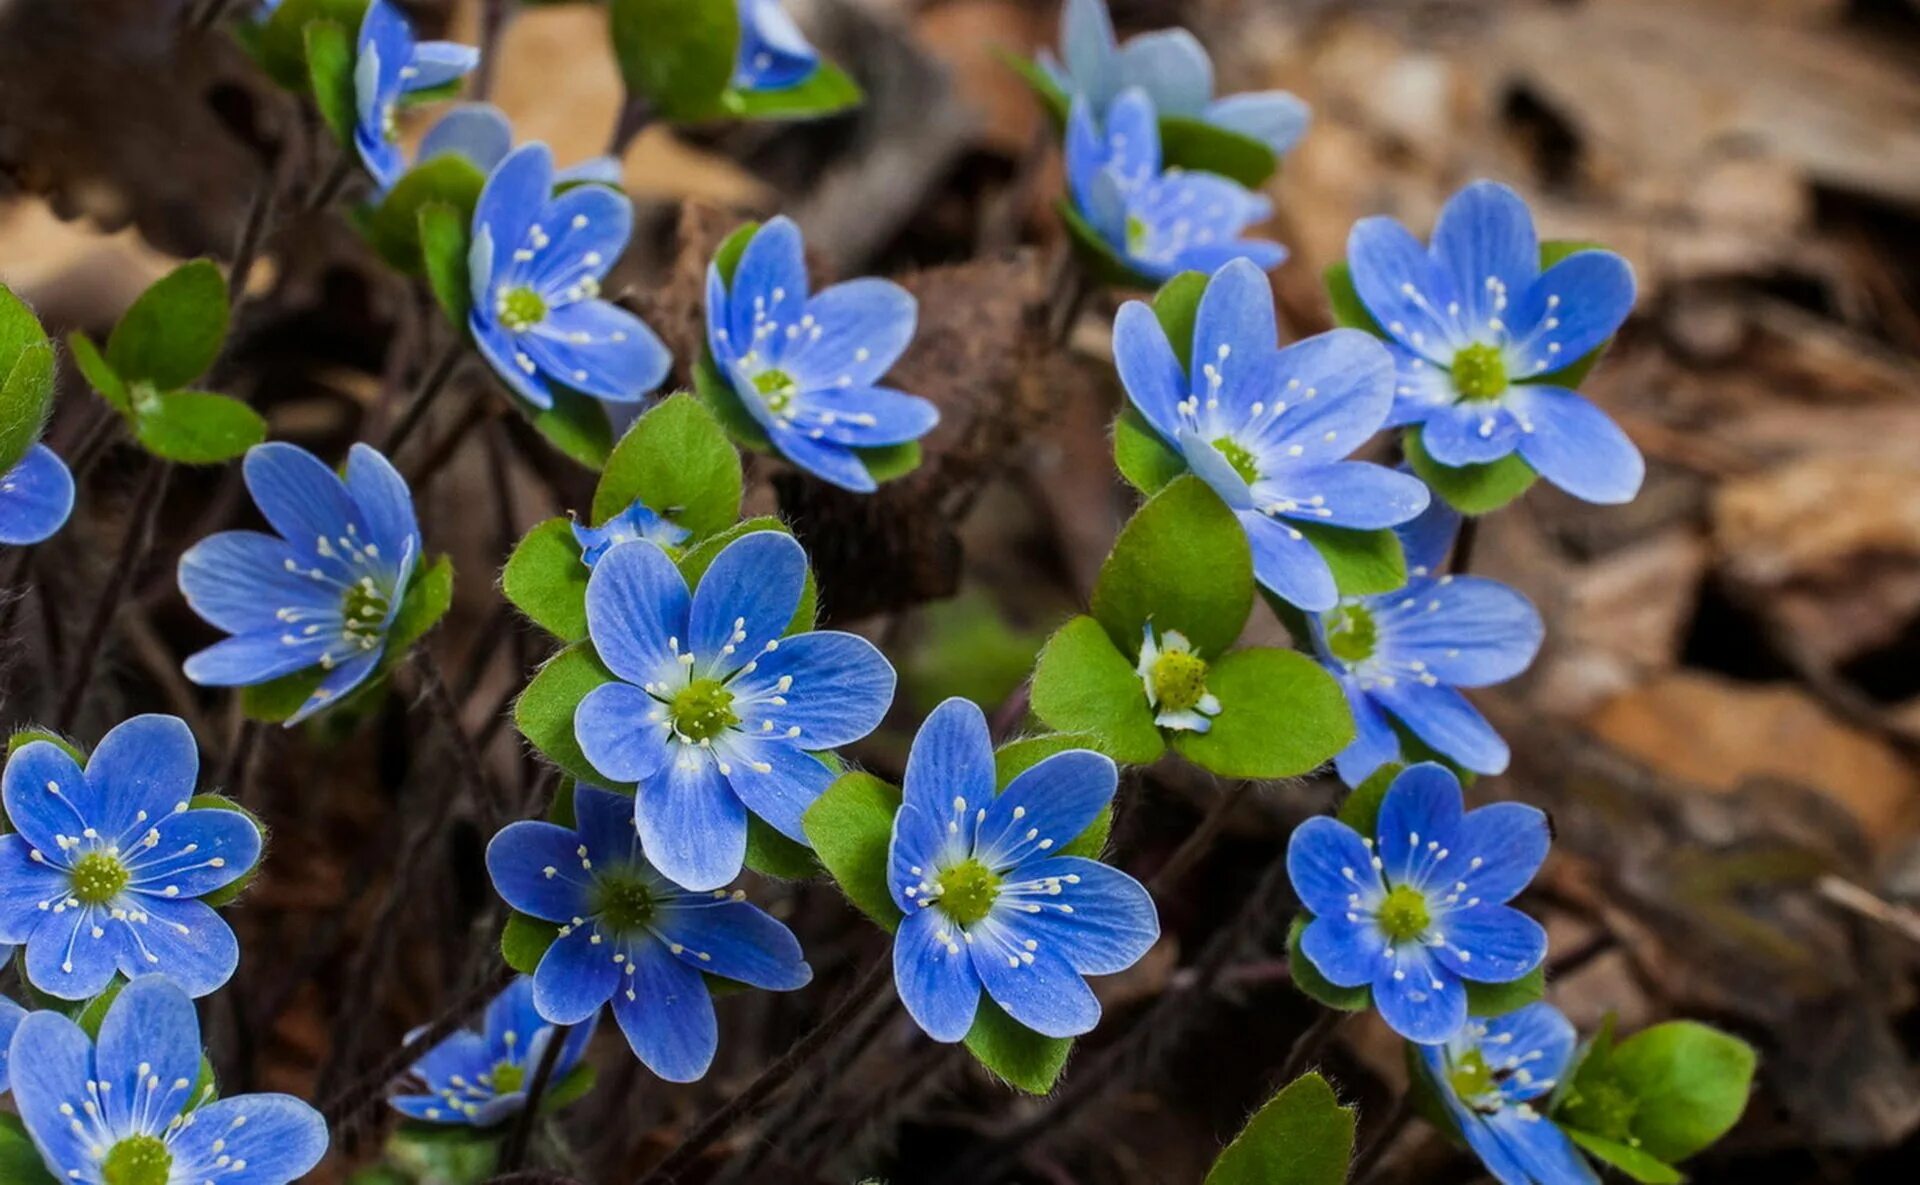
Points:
x=133 y=553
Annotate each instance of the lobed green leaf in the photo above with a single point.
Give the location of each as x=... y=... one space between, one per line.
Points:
x=196 y=427
x=676 y=459
x=26 y=379
x=678 y=54
x=330 y=63
x=1363 y=562
x=1302 y=1136
x=1281 y=714
x=1470 y=489
x=1146 y=461
x=394 y=225
x=1015 y=1054
x=850 y=827
x=545 y=579
x=444 y=241
x=827 y=91
x=544 y=711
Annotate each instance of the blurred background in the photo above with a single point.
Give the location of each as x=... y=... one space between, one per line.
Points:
x=1724 y=722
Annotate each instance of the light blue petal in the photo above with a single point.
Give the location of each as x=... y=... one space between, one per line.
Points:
x=1510 y=839
x=599 y=349
x=11 y=1015
x=637 y=609
x=1287 y=565
x=47 y=796
x=774 y=54
x=1473 y=433
x=1538 y=1037
x=477 y=131
x=1468 y=630
x=595 y=170
x=617 y=732
x=1357 y=495
x=51 y=1062
x=518 y=859
x=1491 y=1138
x=1209 y=257
x=1448 y=722
x=1045 y=808
x=513 y=198
x=1328 y=863
x=1490 y=943
x=934 y=976
x=1132 y=140
x=586 y=229
x=1574 y=445
x=1211 y=465
x=239 y=581
x=836 y=464
x=198 y=852
x=1405 y=290
x=184 y=940
x=769 y=283
x=303 y=499
x=637 y=521
x=575 y=977
x=384 y=47
x=1570 y=311
x=1418 y=999
x=1428 y=539
x=1038 y=988
x=1542 y=1150
x=1374 y=742
x=1338 y=388
x=1113 y=923
x=745 y=600
x=860 y=328
x=951 y=757
x=918 y=843
x=36 y=496
x=24 y=884
x=249 y=659
x=1094 y=191
x=1172 y=67
x=279 y=1139
x=384 y=501
x=140 y=772
x=517 y=368
x=1484 y=240
x=150 y=1033
x=718 y=318
x=1088 y=45
x=666 y=1012
x=1422 y=807
x=1346 y=954
x=437 y=63
x=841 y=687
x=1234 y=324
x=693 y=827
x=1275 y=118
x=775 y=779
x=1149 y=369
x=865 y=417
x=736 y=941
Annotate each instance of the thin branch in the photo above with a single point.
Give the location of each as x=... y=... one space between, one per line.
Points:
x=253 y=232
x=133 y=553
x=430 y=386
x=1193 y=848
x=514 y=1152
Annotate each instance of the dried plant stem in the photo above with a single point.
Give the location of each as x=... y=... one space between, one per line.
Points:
x=422 y=399
x=1199 y=841
x=489 y=800
x=514 y=1152
x=253 y=232
x=134 y=547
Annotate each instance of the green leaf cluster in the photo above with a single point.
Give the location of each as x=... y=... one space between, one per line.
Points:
x=1302 y=1136
x=168 y=338
x=679 y=56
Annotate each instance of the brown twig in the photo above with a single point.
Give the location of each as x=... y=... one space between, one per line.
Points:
x=134 y=547
x=1193 y=848
x=430 y=386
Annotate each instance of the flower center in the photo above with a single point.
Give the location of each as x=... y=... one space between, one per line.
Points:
x=1403 y=915
x=968 y=891
x=775 y=388
x=626 y=903
x=1480 y=373
x=1139 y=235
x=521 y=309
x=137 y=1160
x=1179 y=680
x=1351 y=634
x=1239 y=457
x=363 y=613
x=508 y=1078
x=99 y=877
x=702 y=710
x=1473 y=1082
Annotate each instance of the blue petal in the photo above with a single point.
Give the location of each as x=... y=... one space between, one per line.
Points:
x=385 y=503
x=198 y=852
x=466 y=1054
x=1490 y=943
x=1418 y=999
x=1537 y=1037
x=1172 y=68
x=239 y=581
x=343 y=678
x=1586 y=296
x=866 y=417
x=603 y=820
x=150 y=1032
x=781 y=792
x=1233 y=328
x=1481 y=633
x=140 y=773
x=1090 y=50
x=1211 y=465
x=1346 y=954
x=595 y=170
x=36 y=496
x=384 y=161
x=52 y=1062
x=516 y=368
x=248 y=659
x=437 y=63
x=1275 y=118
x=1287 y=565
x=769 y=283
x=666 y=1013
x=744 y=601
x=1428 y=538
x=1358 y=495
x=303 y=499
x=1542 y=1151
x=575 y=977
x=918 y=843
x=719 y=337
x=1338 y=387
x=740 y=942
x=24 y=884
x=278 y=1138
x=1447 y=721
x=586 y=228
x=836 y=464
x=623 y=732
x=1328 y=863
x=47 y=796
x=429 y=1108
x=637 y=606
x=11 y=1015
x=860 y=329
x=693 y=827
x=510 y=1012
x=1386 y=262
x=477 y=131
x=1422 y=807
x=934 y=976
x=1374 y=742
x=637 y=521
x=1086 y=159
x=1149 y=369
x=185 y=940
x=1207 y=257
x=1510 y=839
x=773 y=52
x=951 y=757
x=1574 y=445
x=840 y=689
x=1038 y=988
x=513 y=198
x=517 y=860
x=599 y=349
x=1112 y=925
x=1492 y=1143
x=1484 y=240
x=1473 y=433
x=384 y=33
x=1132 y=140
x=1045 y=808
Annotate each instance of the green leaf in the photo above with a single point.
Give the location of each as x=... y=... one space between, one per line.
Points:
x=1044 y=88
x=887 y=462
x=393 y=226
x=443 y=256
x=1181 y=563
x=576 y=424
x=173 y=331
x=222 y=897
x=197 y=427
x=676 y=459
x=1177 y=307
x=20 y=1162
x=546 y=580
x=1314 y=985
x=826 y=91
x=1470 y=489
x=1498 y=999
x=282 y=45
x=770 y=853
x=26 y=379
x=678 y=54
x=1690 y=1081
x=1360 y=809
x=544 y=711
x=1018 y=1056
x=1631 y=1161
x=428 y=597
x=1146 y=461
x=98 y=372
x=966 y=648
x=1281 y=714
x=1017 y=757
x=1195 y=144
x=726 y=257
x=1105 y=266
x=578 y=1082
x=850 y=827
x=330 y=62
x=695 y=562
x=27 y=736
x=276 y=700
x=1303 y=1136
x=1083 y=684
x=525 y=940
x=1363 y=562
x=1348 y=309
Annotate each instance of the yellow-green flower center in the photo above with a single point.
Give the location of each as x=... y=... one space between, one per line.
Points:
x=775 y=388
x=1403 y=915
x=1179 y=680
x=625 y=904
x=1351 y=634
x=968 y=891
x=1139 y=235
x=702 y=710
x=1480 y=372
x=521 y=309
x=363 y=613
x=508 y=1078
x=1239 y=457
x=98 y=878
x=1473 y=1082
x=137 y=1160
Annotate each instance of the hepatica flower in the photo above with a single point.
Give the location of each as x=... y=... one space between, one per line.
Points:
x=712 y=711
x=480 y=133
x=480 y=1079
x=36 y=496
x=536 y=263
x=323 y=593
x=1421 y=906
x=1269 y=428
x=11 y=1015
x=1161 y=222
x=774 y=54
x=1400 y=656
x=115 y=1112
x=630 y=935
x=990 y=903
x=1479 y=331
x=1175 y=679
x=807 y=367
x=637 y=521
x=1492 y=1076
x=390 y=65
x=1172 y=68
x=104 y=867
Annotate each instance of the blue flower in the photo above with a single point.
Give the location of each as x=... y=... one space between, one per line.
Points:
x=712 y=711
x=989 y=904
x=807 y=368
x=479 y=1079
x=1491 y=1074
x=11 y=1015
x=390 y=65
x=36 y=496
x=1422 y=907
x=105 y=867
x=324 y=593
x=1269 y=428
x=630 y=935
x=480 y=133
x=774 y=54
x=1172 y=68
x=536 y=262
x=116 y=1112
x=1161 y=223
x=637 y=521
x=1399 y=656
x=1479 y=331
